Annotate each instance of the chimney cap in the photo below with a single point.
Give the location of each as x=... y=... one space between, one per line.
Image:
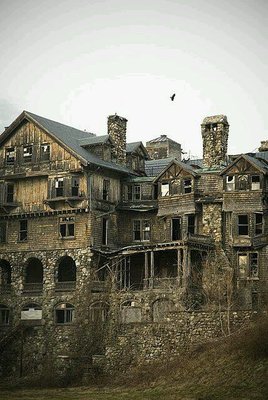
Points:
x=116 y=117
x=215 y=119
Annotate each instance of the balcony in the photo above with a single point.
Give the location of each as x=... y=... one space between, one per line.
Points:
x=65 y=286
x=140 y=205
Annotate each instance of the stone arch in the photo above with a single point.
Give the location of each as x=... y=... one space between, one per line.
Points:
x=33 y=271
x=66 y=269
x=4 y=314
x=161 y=307
x=130 y=311
x=31 y=311
x=5 y=273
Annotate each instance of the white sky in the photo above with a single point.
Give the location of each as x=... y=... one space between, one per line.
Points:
x=78 y=61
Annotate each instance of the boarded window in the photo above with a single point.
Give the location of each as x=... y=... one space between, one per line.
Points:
x=45 y=152
x=243 y=227
x=164 y=189
x=10 y=155
x=67 y=227
x=23 y=230
x=31 y=312
x=230 y=183
x=255 y=182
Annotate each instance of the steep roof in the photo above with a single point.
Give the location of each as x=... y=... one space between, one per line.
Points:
x=154 y=167
x=261 y=165
x=134 y=146
x=181 y=164
x=91 y=141
x=68 y=136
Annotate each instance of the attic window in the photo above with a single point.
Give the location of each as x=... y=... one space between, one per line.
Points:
x=164 y=189
x=230 y=183
x=10 y=155
x=242 y=182
x=255 y=182
x=27 y=153
x=187 y=185
x=45 y=152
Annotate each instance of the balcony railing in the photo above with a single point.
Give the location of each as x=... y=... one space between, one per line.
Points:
x=161 y=283
x=36 y=287
x=65 y=286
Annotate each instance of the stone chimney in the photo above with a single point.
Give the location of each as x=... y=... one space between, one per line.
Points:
x=117 y=129
x=215 y=131
x=264 y=145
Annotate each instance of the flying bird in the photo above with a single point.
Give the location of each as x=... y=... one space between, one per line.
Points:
x=173 y=97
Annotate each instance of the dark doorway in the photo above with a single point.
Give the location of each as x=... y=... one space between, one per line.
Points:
x=176 y=228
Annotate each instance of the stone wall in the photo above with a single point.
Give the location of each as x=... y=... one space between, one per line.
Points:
x=117 y=128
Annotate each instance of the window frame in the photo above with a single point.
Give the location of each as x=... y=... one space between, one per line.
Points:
x=141 y=228
x=258 y=226
x=191 y=228
x=165 y=193
x=75 y=184
x=230 y=185
x=68 y=311
x=242 y=225
x=10 y=160
x=67 y=222
x=59 y=186
x=106 y=189
x=44 y=155
x=254 y=183
x=22 y=231
x=9 y=194
x=187 y=188
x=4 y=315
x=27 y=156
x=251 y=265
x=136 y=192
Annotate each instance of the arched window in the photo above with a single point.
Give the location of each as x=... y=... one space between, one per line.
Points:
x=5 y=276
x=64 y=313
x=130 y=312
x=66 y=269
x=98 y=312
x=33 y=275
x=161 y=308
x=4 y=315
x=31 y=311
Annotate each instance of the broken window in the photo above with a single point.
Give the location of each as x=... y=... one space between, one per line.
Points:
x=176 y=228
x=75 y=187
x=175 y=187
x=45 y=152
x=255 y=182
x=248 y=265
x=9 y=192
x=27 y=153
x=165 y=189
x=191 y=223
x=104 y=231
x=258 y=223
x=98 y=312
x=137 y=192
x=31 y=311
x=23 y=230
x=230 y=183
x=64 y=313
x=105 y=189
x=129 y=192
x=66 y=269
x=141 y=230
x=187 y=185
x=67 y=227
x=243 y=228
x=59 y=187
x=242 y=182
x=10 y=155
x=3 y=232
x=4 y=315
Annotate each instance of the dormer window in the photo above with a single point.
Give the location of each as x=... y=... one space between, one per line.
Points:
x=10 y=156
x=230 y=183
x=255 y=182
x=27 y=153
x=45 y=152
x=187 y=185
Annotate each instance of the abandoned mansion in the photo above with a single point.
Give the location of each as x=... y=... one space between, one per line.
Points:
x=104 y=243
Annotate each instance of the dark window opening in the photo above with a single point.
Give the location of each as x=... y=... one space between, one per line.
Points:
x=45 y=152
x=67 y=227
x=3 y=232
x=64 y=313
x=59 y=187
x=104 y=231
x=242 y=182
x=253 y=265
x=5 y=273
x=10 y=156
x=230 y=183
x=258 y=224
x=34 y=271
x=23 y=232
x=191 y=223
x=141 y=230
x=243 y=225
x=27 y=153
x=4 y=315
x=105 y=189
x=75 y=187
x=130 y=192
x=137 y=230
x=176 y=228
x=10 y=192
x=187 y=185
x=66 y=270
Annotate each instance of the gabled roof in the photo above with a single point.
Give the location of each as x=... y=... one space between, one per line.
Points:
x=92 y=141
x=134 y=146
x=154 y=167
x=182 y=165
x=261 y=165
x=68 y=137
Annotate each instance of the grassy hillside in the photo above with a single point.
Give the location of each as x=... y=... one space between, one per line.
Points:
x=235 y=368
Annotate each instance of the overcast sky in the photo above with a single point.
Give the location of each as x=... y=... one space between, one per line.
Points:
x=78 y=61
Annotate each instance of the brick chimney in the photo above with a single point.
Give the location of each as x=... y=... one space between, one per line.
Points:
x=264 y=145
x=117 y=129
x=215 y=131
